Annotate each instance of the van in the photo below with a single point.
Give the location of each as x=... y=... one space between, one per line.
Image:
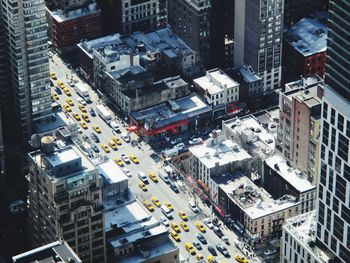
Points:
x=164 y=176
x=142 y=177
x=174 y=187
x=166 y=211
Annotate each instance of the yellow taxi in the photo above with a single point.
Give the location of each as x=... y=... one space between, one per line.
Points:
x=96 y=128
x=143 y=187
x=189 y=247
x=66 y=107
x=153 y=177
x=175 y=236
x=113 y=145
x=241 y=259
x=55 y=96
x=183 y=215
x=199 y=257
x=70 y=101
x=156 y=201
x=82 y=108
x=184 y=226
x=105 y=147
x=117 y=140
x=169 y=206
x=119 y=162
x=211 y=259
x=86 y=117
x=175 y=227
x=134 y=159
x=53 y=75
x=200 y=226
x=60 y=84
x=83 y=124
x=67 y=91
x=76 y=116
x=148 y=205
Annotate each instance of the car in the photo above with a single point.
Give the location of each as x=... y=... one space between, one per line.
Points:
x=82 y=101
x=223 y=250
x=105 y=147
x=86 y=117
x=218 y=231
x=197 y=245
x=169 y=206
x=174 y=187
x=156 y=201
x=83 y=124
x=200 y=226
x=208 y=223
x=59 y=83
x=225 y=239
x=211 y=259
x=67 y=91
x=184 y=226
x=183 y=215
x=180 y=146
x=148 y=205
x=143 y=187
x=175 y=141
x=164 y=221
x=96 y=128
x=190 y=248
x=193 y=207
x=58 y=90
x=241 y=259
x=117 y=140
x=113 y=145
x=55 y=96
x=142 y=177
x=175 y=227
x=153 y=177
x=199 y=257
x=119 y=162
x=195 y=141
x=201 y=238
x=94 y=137
x=92 y=112
x=82 y=108
x=125 y=137
x=66 y=107
x=70 y=101
x=269 y=252
x=175 y=236
x=125 y=158
x=127 y=172
x=134 y=159
x=95 y=148
x=53 y=75
x=71 y=83
x=212 y=251
x=76 y=116
x=114 y=126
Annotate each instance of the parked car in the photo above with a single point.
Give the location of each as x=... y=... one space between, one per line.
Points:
x=223 y=250
x=269 y=252
x=208 y=222
x=212 y=251
x=195 y=141
x=92 y=112
x=94 y=137
x=218 y=232
x=164 y=221
x=127 y=172
x=175 y=141
x=193 y=207
x=95 y=148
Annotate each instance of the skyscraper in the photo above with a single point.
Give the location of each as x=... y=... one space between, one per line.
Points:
x=333 y=209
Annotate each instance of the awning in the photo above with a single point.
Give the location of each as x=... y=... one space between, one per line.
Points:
x=132 y=128
x=203 y=185
x=219 y=210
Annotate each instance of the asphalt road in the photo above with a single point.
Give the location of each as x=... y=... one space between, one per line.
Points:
x=147 y=164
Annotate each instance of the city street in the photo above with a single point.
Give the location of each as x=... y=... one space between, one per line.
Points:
x=147 y=164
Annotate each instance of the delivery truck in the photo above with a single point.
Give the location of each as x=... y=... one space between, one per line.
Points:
x=104 y=113
x=82 y=91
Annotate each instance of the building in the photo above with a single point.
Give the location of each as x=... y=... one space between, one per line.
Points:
x=299 y=125
x=127 y=16
x=253 y=210
x=280 y=179
x=296 y=10
x=190 y=20
x=170 y=117
x=218 y=90
x=258 y=39
x=69 y=27
x=65 y=199
x=333 y=210
x=58 y=251
x=66 y=5
x=304 y=50
x=298 y=241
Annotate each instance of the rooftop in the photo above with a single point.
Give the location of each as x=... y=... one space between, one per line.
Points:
x=303 y=229
x=308 y=37
x=303 y=83
x=248 y=74
x=253 y=200
x=62 y=16
x=58 y=251
x=60 y=119
x=215 y=81
x=218 y=152
x=111 y=172
x=292 y=176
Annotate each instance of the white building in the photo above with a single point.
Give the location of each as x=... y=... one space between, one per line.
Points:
x=298 y=241
x=217 y=88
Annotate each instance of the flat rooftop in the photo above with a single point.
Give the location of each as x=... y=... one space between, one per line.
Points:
x=221 y=153
x=303 y=229
x=308 y=37
x=111 y=172
x=248 y=74
x=307 y=94
x=62 y=16
x=58 y=251
x=60 y=119
x=215 y=81
x=65 y=155
x=253 y=200
x=292 y=176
